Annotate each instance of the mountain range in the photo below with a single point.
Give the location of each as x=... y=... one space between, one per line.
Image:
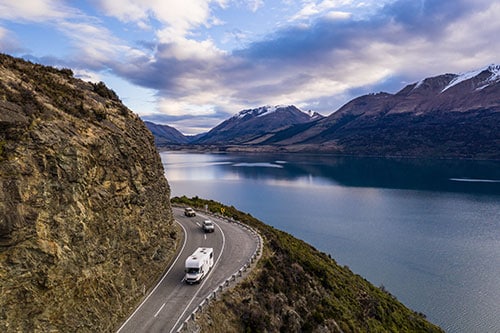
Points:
x=446 y=116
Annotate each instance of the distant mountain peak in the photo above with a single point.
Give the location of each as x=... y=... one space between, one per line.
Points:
x=494 y=76
x=261 y=111
x=249 y=126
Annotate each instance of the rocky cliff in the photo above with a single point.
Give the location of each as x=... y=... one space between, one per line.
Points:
x=85 y=219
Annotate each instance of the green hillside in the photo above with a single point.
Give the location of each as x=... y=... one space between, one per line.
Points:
x=296 y=288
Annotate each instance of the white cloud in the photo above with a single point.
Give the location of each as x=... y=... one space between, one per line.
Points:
x=92 y=44
x=334 y=9
x=95 y=46
x=178 y=18
x=315 y=8
x=306 y=12
x=87 y=75
x=38 y=10
x=179 y=107
x=254 y=5
x=338 y=15
x=188 y=49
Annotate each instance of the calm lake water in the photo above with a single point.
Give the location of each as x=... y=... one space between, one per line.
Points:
x=427 y=230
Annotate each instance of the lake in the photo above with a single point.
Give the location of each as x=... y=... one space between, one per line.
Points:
x=427 y=230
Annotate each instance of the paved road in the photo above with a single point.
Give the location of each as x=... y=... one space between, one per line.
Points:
x=172 y=300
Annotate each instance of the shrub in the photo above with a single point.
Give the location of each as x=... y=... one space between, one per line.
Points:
x=103 y=91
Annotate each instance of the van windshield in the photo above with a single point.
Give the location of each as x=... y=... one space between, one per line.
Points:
x=192 y=270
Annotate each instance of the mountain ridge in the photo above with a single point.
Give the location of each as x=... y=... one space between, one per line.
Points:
x=445 y=116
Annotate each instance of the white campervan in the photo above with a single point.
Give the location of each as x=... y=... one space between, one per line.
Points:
x=198 y=264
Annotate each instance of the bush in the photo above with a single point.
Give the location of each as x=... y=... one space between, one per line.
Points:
x=103 y=91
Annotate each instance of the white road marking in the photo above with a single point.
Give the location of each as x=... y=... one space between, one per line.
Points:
x=205 y=236
x=157 y=312
x=204 y=280
x=163 y=278
x=198 y=224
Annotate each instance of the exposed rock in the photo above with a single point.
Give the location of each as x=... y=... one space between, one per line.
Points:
x=85 y=219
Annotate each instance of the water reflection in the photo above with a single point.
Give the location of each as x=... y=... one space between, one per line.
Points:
x=413 y=174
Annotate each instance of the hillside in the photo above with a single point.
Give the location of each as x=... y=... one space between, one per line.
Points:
x=84 y=205
x=296 y=288
x=166 y=135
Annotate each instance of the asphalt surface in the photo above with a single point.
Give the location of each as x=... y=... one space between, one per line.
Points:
x=172 y=300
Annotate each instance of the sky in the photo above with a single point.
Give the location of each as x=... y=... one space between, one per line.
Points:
x=192 y=64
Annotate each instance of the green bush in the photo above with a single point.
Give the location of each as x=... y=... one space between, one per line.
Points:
x=103 y=91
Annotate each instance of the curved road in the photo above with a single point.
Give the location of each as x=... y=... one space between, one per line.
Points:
x=172 y=300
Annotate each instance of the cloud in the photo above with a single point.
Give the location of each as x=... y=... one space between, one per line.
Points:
x=8 y=42
x=96 y=48
x=185 y=122
x=178 y=18
x=254 y=5
x=338 y=9
x=40 y=10
x=87 y=75
x=392 y=42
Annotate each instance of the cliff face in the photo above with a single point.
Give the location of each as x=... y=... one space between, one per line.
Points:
x=85 y=219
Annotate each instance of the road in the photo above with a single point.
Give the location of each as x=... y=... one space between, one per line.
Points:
x=172 y=300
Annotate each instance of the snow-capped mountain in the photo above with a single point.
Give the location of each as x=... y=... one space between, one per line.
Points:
x=450 y=115
x=259 y=112
x=254 y=125
x=492 y=76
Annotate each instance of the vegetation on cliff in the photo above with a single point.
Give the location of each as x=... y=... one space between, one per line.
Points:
x=84 y=204
x=296 y=288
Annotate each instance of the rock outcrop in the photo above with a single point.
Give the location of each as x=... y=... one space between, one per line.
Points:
x=85 y=221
